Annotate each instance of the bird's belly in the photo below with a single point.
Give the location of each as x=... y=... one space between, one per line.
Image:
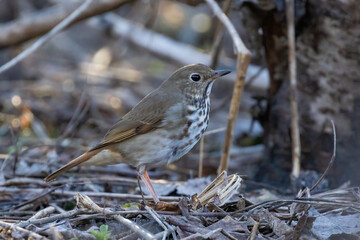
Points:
x=105 y=157
x=164 y=145
x=152 y=148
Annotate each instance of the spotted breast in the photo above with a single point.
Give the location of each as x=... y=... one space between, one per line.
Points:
x=197 y=116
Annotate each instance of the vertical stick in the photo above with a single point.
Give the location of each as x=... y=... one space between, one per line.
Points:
x=295 y=134
x=243 y=61
x=219 y=34
x=201 y=157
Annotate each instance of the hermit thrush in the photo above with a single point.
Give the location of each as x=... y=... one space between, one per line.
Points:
x=160 y=129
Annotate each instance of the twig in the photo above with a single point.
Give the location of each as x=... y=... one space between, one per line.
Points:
x=42 y=213
x=41 y=41
x=167 y=227
x=153 y=13
x=114 y=195
x=29 y=234
x=238 y=44
x=295 y=133
x=252 y=208
x=4 y=156
x=266 y=186
x=228 y=235
x=296 y=208
x=86 y=202
x=91 y=194
x=326 y=200
x=14 y=140
x=331 y=160
x=24 y=181
x=2 y=168
x=201 y=157
x=123 y=180
x=243 y=61
x=203 y=236
x=81 y=109
x=254 y=230
x=36 y=198
x=57 y=208
x=132 y=212
x=300 y=225
x=72 y=230
x=214 y=131
x=51 y=218
x=253 y=77
x=14 y=213
x=137 y=212
x=219 y=33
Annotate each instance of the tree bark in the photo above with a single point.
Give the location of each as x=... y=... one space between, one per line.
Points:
x=327 y=46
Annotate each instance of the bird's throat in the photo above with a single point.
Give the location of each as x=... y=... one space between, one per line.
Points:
x=199 y=99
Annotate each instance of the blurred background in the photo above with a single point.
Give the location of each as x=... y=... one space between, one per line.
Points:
x=62 y=99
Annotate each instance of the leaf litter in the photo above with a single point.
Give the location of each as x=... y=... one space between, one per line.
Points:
x=32 y=208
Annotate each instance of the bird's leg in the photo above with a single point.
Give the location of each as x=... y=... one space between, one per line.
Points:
x=141 y=191
x=146 y=180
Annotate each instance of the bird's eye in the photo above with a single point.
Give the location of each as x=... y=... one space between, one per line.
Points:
x=195 y=77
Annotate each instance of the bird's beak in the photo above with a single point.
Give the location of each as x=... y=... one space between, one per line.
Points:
x=220 y=73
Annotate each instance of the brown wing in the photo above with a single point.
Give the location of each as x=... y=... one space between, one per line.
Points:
x=122 y=130
x=146 y=116
x=125 y=129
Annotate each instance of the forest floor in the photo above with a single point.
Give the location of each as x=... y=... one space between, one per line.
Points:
x=105 y=203
x=63 y=104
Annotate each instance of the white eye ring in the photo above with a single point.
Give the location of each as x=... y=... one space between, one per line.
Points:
x=195 y=77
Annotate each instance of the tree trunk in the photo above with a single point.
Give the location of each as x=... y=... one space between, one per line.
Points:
x=328 y=60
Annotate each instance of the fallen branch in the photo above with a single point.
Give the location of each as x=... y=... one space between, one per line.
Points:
x=243 y=61
x=25 y=234
x=37 y=24
x=24 y=181
x=91 y=194
x=42 y=213
x=180 y=52
x=41 y=41
x=114 y=195
x=50 y=219
x=86 y=202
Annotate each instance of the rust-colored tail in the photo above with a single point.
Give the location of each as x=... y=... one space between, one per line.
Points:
x=82 y=158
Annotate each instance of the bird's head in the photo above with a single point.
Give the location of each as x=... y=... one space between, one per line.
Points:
x=193 y=80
